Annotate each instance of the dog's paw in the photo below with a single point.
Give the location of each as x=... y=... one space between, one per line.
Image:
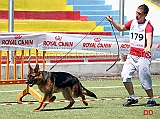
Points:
x=52 y=98
x=85 y=103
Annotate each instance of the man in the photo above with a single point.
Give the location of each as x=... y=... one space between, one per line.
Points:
x=139 y=59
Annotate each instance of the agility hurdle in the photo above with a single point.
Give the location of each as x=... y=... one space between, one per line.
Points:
x=7 y=81
x=30 y=90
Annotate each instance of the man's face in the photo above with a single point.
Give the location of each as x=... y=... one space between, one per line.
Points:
x=140 y=16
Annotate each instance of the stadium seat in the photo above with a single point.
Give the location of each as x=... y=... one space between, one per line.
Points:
x=96 y=10
x=51 y=26
x=44 y=15
x=44 y=5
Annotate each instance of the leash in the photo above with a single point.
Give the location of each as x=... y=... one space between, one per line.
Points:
x=117 y=48
x=76 y=44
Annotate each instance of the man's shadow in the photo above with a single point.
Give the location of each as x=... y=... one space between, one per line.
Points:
x=143 y=105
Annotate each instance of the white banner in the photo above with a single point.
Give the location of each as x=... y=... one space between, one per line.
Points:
x=89 y=43
x=20 y=41
x=66 y=42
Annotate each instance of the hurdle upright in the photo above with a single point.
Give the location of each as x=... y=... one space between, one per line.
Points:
x=30 y=90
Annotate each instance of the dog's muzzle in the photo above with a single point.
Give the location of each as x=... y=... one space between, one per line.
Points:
x=31 y=81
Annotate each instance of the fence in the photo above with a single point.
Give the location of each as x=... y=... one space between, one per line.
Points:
x=18 y=77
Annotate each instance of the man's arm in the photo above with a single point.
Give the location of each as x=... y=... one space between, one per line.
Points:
x=118 y=26
x=149 y=37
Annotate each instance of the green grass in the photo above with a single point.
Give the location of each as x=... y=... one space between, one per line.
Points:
x=101 y=109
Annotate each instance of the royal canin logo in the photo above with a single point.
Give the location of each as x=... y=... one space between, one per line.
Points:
x=158 y=46
x=58 y=38
x=97 y=39
x=125 y=46
x=17 y=36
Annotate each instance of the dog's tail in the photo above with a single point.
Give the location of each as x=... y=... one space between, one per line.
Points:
x=87 y=92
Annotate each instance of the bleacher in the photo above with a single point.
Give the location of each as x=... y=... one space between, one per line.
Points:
x=45 y=16
x=96 y=10
x=59 y=16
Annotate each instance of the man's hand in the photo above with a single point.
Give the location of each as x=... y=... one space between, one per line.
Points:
x=118 y=26
x=147 y=50
x=109 y=18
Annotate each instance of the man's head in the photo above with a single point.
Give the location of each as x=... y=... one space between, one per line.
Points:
x=142 y=12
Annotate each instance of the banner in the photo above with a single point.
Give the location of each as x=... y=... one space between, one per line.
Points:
x=90 y=43
x=20 y=41
x=78 y=42
x=58 y=42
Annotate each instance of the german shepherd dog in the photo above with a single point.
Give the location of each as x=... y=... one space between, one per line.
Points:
x=54 y=82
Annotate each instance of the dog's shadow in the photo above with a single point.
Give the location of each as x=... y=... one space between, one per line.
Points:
x=73 y=108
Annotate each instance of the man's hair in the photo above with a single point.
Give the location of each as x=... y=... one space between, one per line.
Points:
x=144 y=8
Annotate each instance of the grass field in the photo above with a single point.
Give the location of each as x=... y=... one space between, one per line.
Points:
x=101 y=109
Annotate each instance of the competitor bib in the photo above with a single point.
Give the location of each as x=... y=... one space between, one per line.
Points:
x=137 y=34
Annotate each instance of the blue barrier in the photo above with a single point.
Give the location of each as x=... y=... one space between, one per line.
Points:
x=105 y=22
x=92 y=7
x=85 y=2
x=99 y=12
x=100 y=17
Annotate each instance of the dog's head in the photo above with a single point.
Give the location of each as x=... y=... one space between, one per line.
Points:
x=34 y=75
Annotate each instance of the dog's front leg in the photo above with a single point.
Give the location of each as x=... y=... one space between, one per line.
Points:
x=46 y=99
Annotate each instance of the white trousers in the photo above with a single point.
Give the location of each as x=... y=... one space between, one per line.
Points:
x=142 y=66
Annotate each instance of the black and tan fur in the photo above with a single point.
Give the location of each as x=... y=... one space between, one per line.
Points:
x=54 y=82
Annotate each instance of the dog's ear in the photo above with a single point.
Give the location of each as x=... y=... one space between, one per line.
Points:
x=36 y=69
x=29 y=68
